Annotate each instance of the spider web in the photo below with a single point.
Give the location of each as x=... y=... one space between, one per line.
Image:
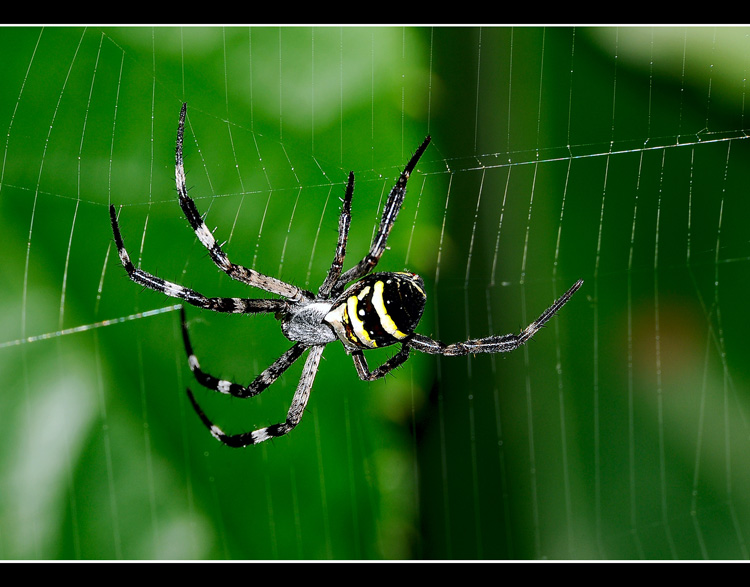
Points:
x=616 y=155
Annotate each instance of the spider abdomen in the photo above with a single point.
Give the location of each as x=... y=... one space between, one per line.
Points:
x=379 y=310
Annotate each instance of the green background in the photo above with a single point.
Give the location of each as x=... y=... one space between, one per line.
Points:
x=613 y=155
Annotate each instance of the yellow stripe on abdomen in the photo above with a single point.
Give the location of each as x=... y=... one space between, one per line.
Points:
x=385 y=319
x=352 y=307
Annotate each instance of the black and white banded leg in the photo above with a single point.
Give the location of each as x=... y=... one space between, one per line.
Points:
x=218 y=256
x=390 y=213
x=293 y=417
x=206 y=237
x=272 y=373
x=228 y=305
x=261 y=382
x=360 y=363
x=492 y=344
x=345 y=219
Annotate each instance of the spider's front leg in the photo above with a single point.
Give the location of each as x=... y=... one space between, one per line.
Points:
x=492 y=344
x=206 y=237
x=229 y=305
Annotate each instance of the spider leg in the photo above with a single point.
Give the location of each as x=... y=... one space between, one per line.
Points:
x=491 y=344
x=229 y=305
x=360 y=363
x=390 y=212
x=294 y=415
x=338 y=260
x=219 y=257
x=260 y=383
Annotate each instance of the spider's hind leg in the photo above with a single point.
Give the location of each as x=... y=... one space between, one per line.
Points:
x=261 y=382
x=360 y=363
x=293 y=417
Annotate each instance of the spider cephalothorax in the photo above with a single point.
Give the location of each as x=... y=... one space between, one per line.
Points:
x=376 y=310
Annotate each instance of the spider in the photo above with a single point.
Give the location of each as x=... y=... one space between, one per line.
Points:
x=377 y=310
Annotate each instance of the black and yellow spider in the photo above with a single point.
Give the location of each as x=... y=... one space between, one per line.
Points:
x=378 y=310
